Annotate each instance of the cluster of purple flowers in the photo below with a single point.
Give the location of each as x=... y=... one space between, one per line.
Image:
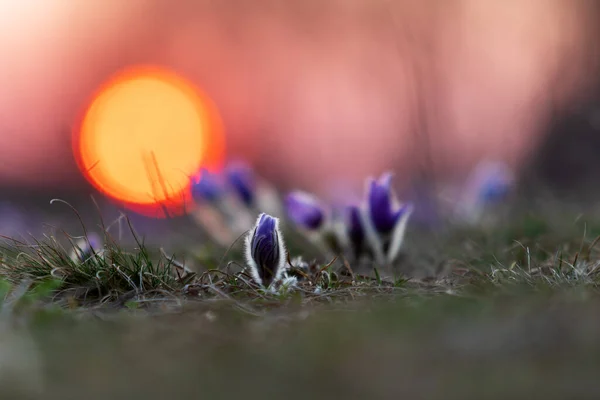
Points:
x=228 y=202
x=374 y=228
x=237 y=179
x=371 y=230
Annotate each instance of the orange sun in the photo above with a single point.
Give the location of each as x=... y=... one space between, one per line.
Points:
x=145 y=133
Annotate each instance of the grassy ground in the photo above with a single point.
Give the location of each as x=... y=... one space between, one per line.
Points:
x=504 y=311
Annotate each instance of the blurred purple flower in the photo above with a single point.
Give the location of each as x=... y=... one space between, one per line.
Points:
x=265 y=251
x=94 y=241
x=495 y=182
x=355 y=229
x=305 y=210
x=206 y=186
x=382 y=205
x=489 y=184
x=242 y=181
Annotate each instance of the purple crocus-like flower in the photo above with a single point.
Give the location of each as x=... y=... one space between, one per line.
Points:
x=241 y=179
x=384 y=219
x=305 y=210
x=355 y=229
x=383 y=208
x=265 y=251
x=206 y=186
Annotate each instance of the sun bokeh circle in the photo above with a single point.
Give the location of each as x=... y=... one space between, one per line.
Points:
x=146 y=131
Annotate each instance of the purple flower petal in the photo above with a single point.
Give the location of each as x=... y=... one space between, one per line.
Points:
x=380 y=204
x=95 y=242
x=265 y=248
x=356 y=232
x=206 y=186
x=304 y=210
x=242 y=181
x=494 y=189
x=491 y=182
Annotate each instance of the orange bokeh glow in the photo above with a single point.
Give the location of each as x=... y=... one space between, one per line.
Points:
x=146 y=131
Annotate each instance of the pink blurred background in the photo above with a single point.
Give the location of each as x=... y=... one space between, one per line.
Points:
x=313 y=92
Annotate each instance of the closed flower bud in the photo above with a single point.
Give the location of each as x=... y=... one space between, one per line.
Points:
x=265 y=251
